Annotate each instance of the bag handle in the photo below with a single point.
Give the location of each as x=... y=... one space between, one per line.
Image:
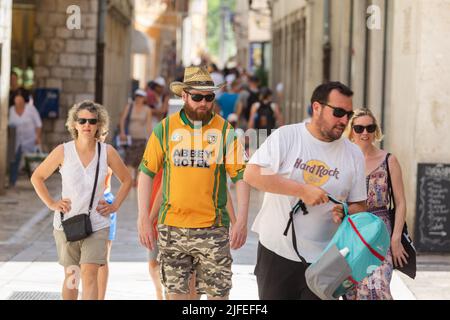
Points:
x=95 y=183
x=301 y=205
x=344 y=204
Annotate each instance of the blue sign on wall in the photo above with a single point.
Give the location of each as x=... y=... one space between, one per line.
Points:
x=47 y=102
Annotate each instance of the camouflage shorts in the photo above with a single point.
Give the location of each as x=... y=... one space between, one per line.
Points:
x=205 y=251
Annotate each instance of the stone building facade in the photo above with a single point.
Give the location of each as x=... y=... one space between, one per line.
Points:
x=66 y=59
x=162 y=22
x=394 y=56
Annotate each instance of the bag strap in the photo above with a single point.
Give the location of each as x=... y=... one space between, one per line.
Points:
x=96 y=179
x=95 y=183
x=301 y=205
x=390 y=189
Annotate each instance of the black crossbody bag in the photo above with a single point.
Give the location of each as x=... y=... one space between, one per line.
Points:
x=410 y=268
x=79 y=227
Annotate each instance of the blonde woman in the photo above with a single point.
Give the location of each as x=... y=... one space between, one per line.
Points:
x=77 y=162
x=363 y=130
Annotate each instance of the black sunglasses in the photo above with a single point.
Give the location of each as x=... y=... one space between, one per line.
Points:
x=199 y=97
x=338 y=112
x=83 y=121
x=360 y=129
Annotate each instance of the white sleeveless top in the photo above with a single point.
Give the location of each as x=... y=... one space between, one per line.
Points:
x=77 y=185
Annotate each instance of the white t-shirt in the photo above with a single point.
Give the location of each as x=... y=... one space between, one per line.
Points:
x=26 y=125
x=337 y=167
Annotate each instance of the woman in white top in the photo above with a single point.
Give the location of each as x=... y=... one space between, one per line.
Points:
x=25 y=118
x=77 y=161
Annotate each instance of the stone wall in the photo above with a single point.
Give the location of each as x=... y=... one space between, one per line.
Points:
x=65 y=59
x=418 y=117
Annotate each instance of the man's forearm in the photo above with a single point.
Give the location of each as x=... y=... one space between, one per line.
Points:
x=356 y=207
x=154 y=210
x=243 y=197
x=145 y=184
x=264 y=180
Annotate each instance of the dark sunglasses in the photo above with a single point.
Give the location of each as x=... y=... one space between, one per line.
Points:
x=339 y=112
x=199 y=97
x=83 y=121
x=360 y=129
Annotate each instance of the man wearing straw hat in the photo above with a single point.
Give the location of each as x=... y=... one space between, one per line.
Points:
x=196 y=148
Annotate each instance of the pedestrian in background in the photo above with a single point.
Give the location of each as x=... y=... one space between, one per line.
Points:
x=157 y=99
x=248 y=96
x=25 y=118
x=228 y=100
x=265 y=114
x=135 y=127
x=13 y=87
x=77 y=162
x=363 y=129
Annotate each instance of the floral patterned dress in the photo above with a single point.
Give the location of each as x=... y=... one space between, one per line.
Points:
x=377 y=285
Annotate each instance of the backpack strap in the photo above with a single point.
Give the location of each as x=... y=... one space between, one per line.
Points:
x=301 y=205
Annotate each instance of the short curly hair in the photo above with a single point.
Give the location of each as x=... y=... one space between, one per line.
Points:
x=92 y=107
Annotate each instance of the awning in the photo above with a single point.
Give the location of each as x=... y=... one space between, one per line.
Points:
x=140 y=42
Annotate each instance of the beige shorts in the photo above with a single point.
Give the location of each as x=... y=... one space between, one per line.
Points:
x=92 y=250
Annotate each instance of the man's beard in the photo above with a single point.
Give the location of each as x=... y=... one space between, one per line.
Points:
x=330 y=134
x=193 y=115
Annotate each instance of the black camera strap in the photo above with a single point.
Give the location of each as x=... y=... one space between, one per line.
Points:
x=95 y=183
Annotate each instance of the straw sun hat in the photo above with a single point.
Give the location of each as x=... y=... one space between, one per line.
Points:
x=195 y=78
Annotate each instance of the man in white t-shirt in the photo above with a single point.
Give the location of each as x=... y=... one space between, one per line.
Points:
x=304 y=161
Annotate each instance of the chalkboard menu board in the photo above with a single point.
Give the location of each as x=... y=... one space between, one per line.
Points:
x=433 y=208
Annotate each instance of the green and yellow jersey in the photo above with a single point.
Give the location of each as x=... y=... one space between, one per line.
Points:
x=195 y=160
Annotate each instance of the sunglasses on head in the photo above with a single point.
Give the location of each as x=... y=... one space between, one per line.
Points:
x=83 y=121
x=339 y=112
x=360 y=129
x=199 y=97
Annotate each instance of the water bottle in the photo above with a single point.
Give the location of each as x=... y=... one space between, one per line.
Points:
x=109 y=197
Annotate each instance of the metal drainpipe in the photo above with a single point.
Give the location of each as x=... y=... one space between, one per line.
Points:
x=384 y=76
x=100 y=54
